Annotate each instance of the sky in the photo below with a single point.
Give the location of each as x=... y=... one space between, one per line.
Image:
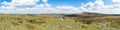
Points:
x=59 y=6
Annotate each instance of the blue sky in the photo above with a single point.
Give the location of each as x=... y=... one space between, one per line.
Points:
x=59 y=6
x=54 y=3
x=75 y=3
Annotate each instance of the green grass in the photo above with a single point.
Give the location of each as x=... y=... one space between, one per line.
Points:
x=46 y=22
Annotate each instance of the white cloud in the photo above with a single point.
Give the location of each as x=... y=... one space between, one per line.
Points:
x=97 y=6
x=21 y=2
x=5 y=3
x=66 y=8
x=12 y=7
x=42 y=8
x=45 y=1
x=117 y=1
x=39 y=8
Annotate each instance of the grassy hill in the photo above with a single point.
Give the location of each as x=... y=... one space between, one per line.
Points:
x=82 y=21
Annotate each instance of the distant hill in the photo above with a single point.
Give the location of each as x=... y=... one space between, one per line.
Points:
x=80 y=15
x=90 y=14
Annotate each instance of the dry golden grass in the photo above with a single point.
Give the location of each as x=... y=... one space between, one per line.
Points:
x=48 y=22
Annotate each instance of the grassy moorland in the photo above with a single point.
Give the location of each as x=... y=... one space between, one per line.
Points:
x=59 y=22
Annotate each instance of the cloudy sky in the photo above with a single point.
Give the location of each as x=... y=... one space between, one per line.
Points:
x=59 y=6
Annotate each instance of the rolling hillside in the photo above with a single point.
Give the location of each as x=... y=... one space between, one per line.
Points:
x=82 y=21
